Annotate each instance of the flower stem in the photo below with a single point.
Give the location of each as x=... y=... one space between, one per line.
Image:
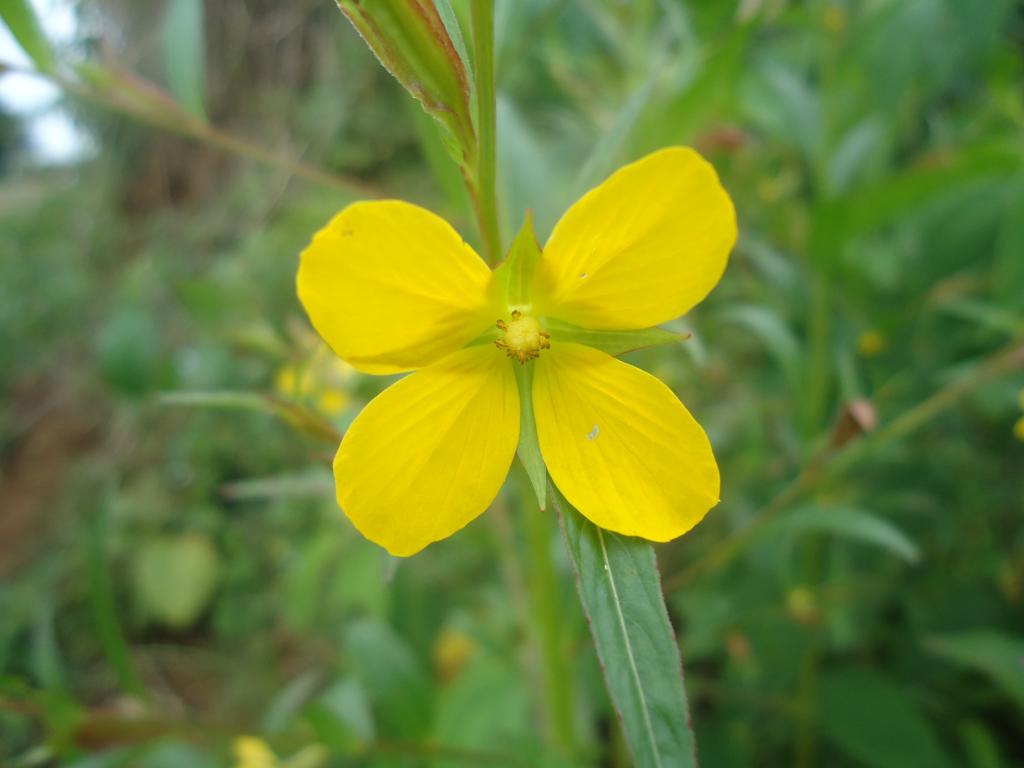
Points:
x=487 y=130
x=549 y=620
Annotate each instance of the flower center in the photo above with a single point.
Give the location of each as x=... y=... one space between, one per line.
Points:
x=523 y=338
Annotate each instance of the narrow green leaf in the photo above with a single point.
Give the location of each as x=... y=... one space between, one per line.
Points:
x=454 y=30
x=853 y=154
x=216 y=399
x=873 y=206
x=773 y=333
x=529 y=447
x=104 y=608
x=706 y=93
x=998 y=655
x=412 y=42
x=48 y=665
x=614 y=342
x=602 y=158
x=296 y=415
x=315 y=482
x=851 y=523
x=184 y=54
x=620 y=590
x=980 y=745
x=21 y=20
x=1008 y=267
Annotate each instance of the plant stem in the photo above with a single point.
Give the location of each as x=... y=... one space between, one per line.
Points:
x=818 y=370
x=485 y=192
x=176 y=121
x=543 y=583
x=548 y=618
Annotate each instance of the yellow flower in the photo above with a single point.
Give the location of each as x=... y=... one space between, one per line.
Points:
x=323 y=379
x=393 y=288
x=251 y=752
x=1018 y=429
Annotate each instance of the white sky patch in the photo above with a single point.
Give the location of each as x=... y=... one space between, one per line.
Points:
x=53 y=137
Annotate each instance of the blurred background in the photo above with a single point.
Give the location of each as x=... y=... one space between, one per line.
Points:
x=177 y=585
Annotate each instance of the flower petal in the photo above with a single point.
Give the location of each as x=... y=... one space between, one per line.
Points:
x=620 y=446
x=430 y=453
x=392 y=287
x=640 y=249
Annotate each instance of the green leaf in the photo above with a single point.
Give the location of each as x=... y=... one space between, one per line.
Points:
x=314 y=482
x=184 y=54
x=1008 y=268
x=997 y=655
x=412 y=42
x=852 y=156
x=601 y=161
x=501 y=726
x=394 y=680
x=980 y=745
x=876 y=205
x=21 y=20
x=876 y=722
x=614 y=342
x=103 y=605
x=705 y=94
x=128 y=351
x=850 y=523
x=174 y=578
x=771 y=330
x=620 y=590
x=341 y=715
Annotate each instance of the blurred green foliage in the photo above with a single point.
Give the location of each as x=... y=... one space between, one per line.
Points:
x=175 y=577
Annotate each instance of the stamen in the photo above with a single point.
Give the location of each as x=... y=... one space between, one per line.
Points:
x=524 y=338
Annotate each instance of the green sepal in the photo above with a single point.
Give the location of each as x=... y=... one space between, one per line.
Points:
x=529 y=447
x=613 y=342
x=515 y=274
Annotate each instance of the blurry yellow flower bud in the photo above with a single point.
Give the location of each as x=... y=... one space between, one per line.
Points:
x=286 y=381
x=323 y=379
x=835 y=19
x=801 y=605
x=452 y=650
x=1018 y=429
x=332 y=402
x=252 y=752
x=870 y=343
